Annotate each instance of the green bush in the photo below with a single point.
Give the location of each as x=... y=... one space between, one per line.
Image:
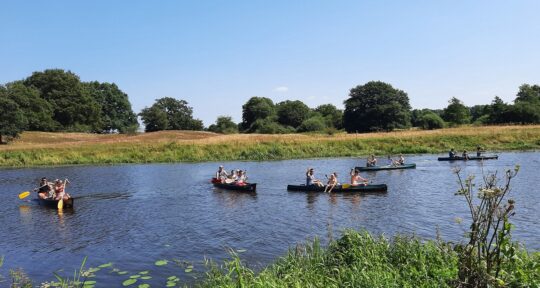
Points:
x=312 y=124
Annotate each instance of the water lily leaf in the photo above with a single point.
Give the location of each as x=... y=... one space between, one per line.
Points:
x=92 y=270
x=122 y=272
x=171 y=284
x=161 y=262
x=129 y=282
x=144 y=272
x=241 y=250
x=134 y=276
x=144 y=285
x=105 y=265
x=88 y=286
x=188 y=270
x=172 y=278
x=146 y=277
x=89 y=282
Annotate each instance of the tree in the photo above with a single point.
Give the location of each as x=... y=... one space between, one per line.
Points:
x=316 y=123
x=430 y=121
x=292 y=113
x=12 y=120
x=456 y=112
x=225 y=125
x=376 y=106
x=498 y=111
x=270 y=126
x=116 y=113
x=154 y=119
x=256 y=108
x=73 y=107
x=333 y=117
x=36 y=110
x=528 y=93
x=178 y=115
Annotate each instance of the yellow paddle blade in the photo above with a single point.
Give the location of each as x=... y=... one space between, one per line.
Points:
x=61 y=204
x=24 y=194
x=345 y=186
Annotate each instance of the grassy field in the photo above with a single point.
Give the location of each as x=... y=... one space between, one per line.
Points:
x=41 y=148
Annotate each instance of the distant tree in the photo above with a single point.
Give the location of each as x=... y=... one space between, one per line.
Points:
x=456 y=112
x=529 y=94
x=178 y=115
x=292 y=113
x=312 y=124
x=333 y=117
x=256 y=108
x=154 y=119
x=225 y=125
x=116 y=113
x=36 y=110
x=430 y=121
x=73 y=107
x=478 y=111
x=12 y=120
x=523 y=113
x=270 y=126
x=376 y=106
x=498 y=111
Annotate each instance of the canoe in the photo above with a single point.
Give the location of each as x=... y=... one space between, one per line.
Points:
x=459 y=158
x=249 y=187
x=386 y=167
x=340 y=188
x=54 y=203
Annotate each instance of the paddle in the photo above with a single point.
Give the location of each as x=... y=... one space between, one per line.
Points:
x=61 y=202
x=24 y=194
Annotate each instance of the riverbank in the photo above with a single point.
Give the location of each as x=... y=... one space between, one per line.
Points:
x=42 y=148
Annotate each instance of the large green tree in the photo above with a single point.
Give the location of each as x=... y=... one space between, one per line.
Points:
x=178 y=115
x=12 y=120
x=456 y=112
x=292 y=113
x=376 y=106
x=73 y=106
x=36 y=110
x=529 y=94
x=256 y=108
x=116 y=113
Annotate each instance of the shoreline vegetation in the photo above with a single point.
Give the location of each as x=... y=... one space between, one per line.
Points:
x=55 y=148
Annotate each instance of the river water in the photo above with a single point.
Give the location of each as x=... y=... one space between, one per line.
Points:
x=134 y=215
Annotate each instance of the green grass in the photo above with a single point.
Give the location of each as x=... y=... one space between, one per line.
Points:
x=265 y=147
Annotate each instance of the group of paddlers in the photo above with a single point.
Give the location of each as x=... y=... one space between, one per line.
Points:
x=236 y=176
x=372 y=161
x=356 y=180
x=52 y=190
x=452 y=153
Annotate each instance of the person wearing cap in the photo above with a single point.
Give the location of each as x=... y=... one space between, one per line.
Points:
x=44 y=188
x=221 y=174
x=310 y=178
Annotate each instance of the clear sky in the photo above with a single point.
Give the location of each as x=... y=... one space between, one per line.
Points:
x=216 y=54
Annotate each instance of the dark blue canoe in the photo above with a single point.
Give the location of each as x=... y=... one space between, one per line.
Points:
x=459 y=158
x=54 y=203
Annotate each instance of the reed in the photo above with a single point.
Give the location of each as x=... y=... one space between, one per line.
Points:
x=41 y=148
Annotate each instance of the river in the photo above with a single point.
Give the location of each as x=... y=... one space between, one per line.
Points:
x=134 y=215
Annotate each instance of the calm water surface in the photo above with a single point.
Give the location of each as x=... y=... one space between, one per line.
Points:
x=133 y=215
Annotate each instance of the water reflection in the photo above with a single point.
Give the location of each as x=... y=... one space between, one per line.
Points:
x=234 y=199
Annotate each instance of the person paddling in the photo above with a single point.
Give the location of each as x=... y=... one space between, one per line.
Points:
x=401 y=160
x=465 y=155
x=242 y=178
x=222 y=174
x=479 y=151
x=310 y=178
x=44 y=190
x=356 y=179
x=371 y=161
x=59 y=188
x=332 y=182
x=452 y=153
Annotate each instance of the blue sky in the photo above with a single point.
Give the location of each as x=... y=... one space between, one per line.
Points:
x=217 y=54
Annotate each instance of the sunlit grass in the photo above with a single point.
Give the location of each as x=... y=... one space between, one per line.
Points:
x=40 y=148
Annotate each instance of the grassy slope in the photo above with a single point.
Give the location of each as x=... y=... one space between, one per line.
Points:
x=40 y=148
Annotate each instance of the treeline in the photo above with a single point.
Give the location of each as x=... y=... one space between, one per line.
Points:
x=57 y=100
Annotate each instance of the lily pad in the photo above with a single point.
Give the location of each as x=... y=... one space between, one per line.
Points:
x=135 y=276
x=89 y=283
x=144 y=285
x=129 y=282
x=122 y=272
x=241 y=250
x=188 y=270
x=161 y=262
x=144 y=272
x=171 y=284
x=172 y=278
